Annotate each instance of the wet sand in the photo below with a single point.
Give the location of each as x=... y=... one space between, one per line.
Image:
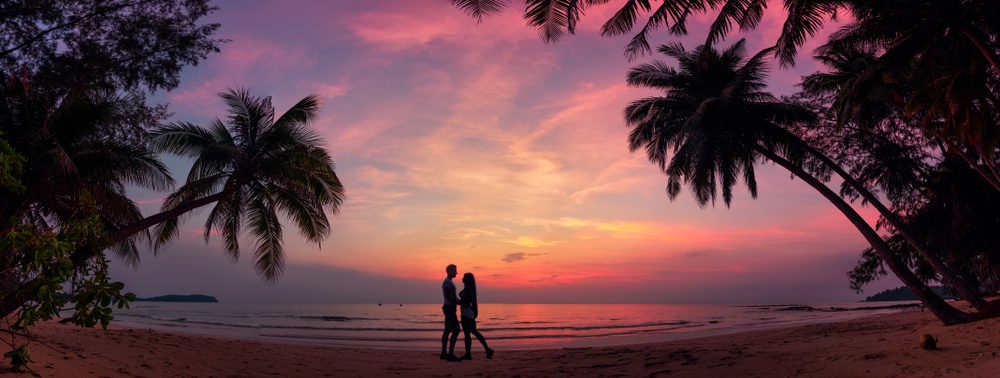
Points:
x=878 y=346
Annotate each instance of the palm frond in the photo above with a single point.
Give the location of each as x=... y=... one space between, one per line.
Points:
x=746 y=14
x=674 y=50
x=295 y=202
x=230 y=223
x=655 y=74
x=181 y=138
x=126 y=251
x=264 y=225
x=302 y=113
x=480 y=8
x=624 y=19
x=164 y=232
x=553 y=18
x=805 y=19
x=125 y=163
x=676 y=10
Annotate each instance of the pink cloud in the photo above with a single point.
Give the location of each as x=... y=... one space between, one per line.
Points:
x=463 y=142
x=241 y=62
x=329 y=91
x=404 y=26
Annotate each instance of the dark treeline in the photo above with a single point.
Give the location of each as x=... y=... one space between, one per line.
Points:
x=199 y=298
x=904 y=293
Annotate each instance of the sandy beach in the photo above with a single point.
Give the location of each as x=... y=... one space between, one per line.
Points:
x=878 y=346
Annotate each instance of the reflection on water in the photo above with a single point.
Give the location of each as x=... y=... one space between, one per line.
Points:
x=418 y=326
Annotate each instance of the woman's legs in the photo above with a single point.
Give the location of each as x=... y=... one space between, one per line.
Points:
x=482 y=340
x=468 y=343
x=468 y=326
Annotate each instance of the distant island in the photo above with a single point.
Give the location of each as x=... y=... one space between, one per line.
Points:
x=179 y=298
x=905 y=294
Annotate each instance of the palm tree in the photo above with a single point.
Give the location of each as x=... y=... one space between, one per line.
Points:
x=865 y=93
x=252 y=167
x=913 y=26
x=964 y=31
x=956 y=214
x=80 y=151
x=556 y=18
x=974 y=20
x=77 y=159
x=715 y=122
x=945 y=54
x=891 y=20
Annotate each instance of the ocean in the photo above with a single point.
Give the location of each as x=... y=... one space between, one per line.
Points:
x=507 y=326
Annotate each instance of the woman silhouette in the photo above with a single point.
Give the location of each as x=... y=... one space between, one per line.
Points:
x=470 y=311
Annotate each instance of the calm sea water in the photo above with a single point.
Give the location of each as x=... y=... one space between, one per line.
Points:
x=418 y=326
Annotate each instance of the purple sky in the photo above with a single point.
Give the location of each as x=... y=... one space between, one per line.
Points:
x=480 y=145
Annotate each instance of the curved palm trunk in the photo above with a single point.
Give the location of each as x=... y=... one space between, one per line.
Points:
x=80 y=256
x=945 y=312
x=948 y=276
x=15 y=300
x=152 y=220
x=992 y=176
x=983 y=49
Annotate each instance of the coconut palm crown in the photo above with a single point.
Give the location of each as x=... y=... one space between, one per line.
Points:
x=709 y=127
x=254 y=166
x=78 y=160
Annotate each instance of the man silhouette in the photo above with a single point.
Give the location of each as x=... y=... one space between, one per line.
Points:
x=450 y=308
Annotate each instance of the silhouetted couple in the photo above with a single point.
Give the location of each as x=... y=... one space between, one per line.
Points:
x=470 y=311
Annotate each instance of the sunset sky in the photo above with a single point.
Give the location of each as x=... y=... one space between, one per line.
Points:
x=479 y=145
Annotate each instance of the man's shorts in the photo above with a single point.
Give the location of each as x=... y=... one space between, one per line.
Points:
x=450 y=318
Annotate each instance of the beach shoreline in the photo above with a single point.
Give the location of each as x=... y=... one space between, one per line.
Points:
x=515 y=326
x=879 y=345
x=655 y=338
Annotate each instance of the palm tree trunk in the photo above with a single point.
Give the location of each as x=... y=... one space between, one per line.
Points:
x=152 y=220
x=80 y=256
x=983 y=49
x=945 y=312
x=990 y=177
x=13 y=301
x=948 y=276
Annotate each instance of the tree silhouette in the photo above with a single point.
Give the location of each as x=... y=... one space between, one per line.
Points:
x=714 y=123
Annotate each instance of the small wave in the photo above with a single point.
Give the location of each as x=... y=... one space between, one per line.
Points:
x=151 y=317
x=221 y=324
x=328 y=318
x=590 y=327
x=492 y=337
x=331 y=318
x=169 y=319
x=484 y=327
